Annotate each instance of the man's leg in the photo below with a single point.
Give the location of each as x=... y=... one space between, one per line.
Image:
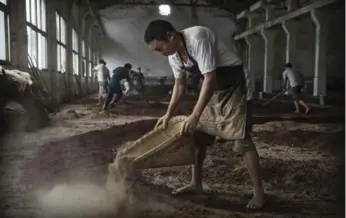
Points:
x=247 y=148
x=295 y=94
x=296 y=91
x=100 y=94
x=297 y=111
x=195 y=185
x=307 y=108
x=118 y=96
x=109 y=98
x=251 y=160
x=202 y=140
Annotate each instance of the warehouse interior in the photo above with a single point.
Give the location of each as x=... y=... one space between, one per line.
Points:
x=56 y=142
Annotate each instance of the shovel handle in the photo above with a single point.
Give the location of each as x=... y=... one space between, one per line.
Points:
x=273 y=98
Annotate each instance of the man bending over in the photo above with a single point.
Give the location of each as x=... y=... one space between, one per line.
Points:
x=295 y=81
x=114 y=87
x=221 y=108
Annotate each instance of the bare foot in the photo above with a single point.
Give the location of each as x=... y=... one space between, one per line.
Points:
x=189 y=189
x=307 y=110
x=257 y=202
x=297 y=112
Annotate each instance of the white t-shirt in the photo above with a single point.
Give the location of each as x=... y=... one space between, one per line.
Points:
x=207 y=50
x=102 y=72
x=292 y=76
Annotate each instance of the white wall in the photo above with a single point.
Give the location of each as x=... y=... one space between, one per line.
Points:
x=125 y=28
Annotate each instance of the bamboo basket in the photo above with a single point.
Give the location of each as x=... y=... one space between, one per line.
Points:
x=161 y=147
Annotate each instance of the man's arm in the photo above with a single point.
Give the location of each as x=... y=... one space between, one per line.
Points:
x=284 y=83
x=205 y=57
x=95 y=68
x=205 y=95
x=178 y=91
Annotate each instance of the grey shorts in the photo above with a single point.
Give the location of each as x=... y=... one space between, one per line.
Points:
x=296 y=92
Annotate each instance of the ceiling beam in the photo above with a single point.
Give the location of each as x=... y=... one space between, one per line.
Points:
x=230 y=6
x=95 y=13
x=105 y=5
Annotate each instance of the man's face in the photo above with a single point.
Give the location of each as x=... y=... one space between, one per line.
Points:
x=164 y=48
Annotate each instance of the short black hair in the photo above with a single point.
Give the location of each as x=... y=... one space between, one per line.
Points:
x=101 y=61
x=157 y=30
x=288 y=65
x=128 y=66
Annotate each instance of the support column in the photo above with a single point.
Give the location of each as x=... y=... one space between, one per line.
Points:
x=69 y=62
x=19 y=36
x=268 y=36
x=52 y=48
x=292 y=5
x=251 y=42
x=321 y=20
x=90 y=81
x=291 y=29
x=269 y=13
x=79 y=77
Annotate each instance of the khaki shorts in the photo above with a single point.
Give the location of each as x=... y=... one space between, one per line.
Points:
x=228 y=114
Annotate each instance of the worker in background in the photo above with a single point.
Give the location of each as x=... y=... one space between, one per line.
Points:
x=103 y=77
x=140 y=78
x=295 y=82
x=114 y=87
x=197 y=49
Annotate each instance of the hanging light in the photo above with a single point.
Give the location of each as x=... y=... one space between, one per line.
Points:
x=164 y=10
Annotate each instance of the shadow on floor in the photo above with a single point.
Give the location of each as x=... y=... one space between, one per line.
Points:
x=236 y=202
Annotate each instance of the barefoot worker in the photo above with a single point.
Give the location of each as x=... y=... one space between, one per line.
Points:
x=295 y=80
x=221 y=107
x=103 y=77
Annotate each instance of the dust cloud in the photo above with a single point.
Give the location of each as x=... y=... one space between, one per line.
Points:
x=88 y=200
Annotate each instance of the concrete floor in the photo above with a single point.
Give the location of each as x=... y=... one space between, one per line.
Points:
x=302 y=162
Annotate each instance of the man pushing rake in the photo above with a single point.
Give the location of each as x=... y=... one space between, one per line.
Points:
x=221 y=109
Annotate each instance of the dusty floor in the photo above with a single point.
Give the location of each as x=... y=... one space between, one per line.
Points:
x=302 y=160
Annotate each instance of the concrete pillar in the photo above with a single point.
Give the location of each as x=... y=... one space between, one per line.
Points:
x=321 y=20
x=69 y=62
x=292 y=4
x=291 y=29
x=18 y=35
x=240 y=25
x=79 y=82
x=52 y=49
x=86 y=41
x=268 y=36
x=250 y=22
x=269 y=13
x=252 y=43
x=79 y=31
x=90 y=43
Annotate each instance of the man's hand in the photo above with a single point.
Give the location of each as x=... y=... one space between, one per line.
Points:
x=189 y=125
x=163 y=121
